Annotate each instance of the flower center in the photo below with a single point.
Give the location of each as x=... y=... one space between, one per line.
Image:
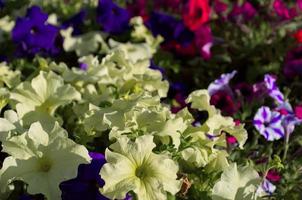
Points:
x=141 y=172
x=44 y=165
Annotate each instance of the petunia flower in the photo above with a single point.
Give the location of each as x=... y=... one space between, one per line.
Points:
x=32 y=34
x=204 y=41
x=42 y=160
x=272 y=89
x=132 y=166
x=246 y=11
x=225 y=102
x=87 y=183
x=289 y=119
x=266 y=188
x=111 y=17
x=170 y=28
x=222 y=83
x=196 y=13
x=43 y=95
x=269 y=123
x=76 y=21
x=293 y=63
x=283 y=11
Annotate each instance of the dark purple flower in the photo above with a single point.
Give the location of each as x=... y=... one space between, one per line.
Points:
x=225 y=102
x=32 y=34
x=245 y=91
x=170 y=28
x=75 y=22
x=86 y=185
x=293 y=63
x=111 y=17
x=246 y=11
x=269 y=123
x=1 y=4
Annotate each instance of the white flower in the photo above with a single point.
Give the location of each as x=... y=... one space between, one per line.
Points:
x=42 y=160
x=132 y=166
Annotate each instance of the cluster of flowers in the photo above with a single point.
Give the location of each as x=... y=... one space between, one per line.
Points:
x=87 y=113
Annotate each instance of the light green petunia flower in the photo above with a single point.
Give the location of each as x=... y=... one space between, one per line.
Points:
x=8 y=77
x=45 y=93
x=42 y=160
x=132 y=166
x=237 y=183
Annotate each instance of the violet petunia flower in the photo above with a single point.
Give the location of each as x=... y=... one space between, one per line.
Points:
x=170 y=28
x=289 y=119
x=246 y=12
x=293 y=63
x=272 y=89
x=76 y=21
x=269 y=123
x=222 y=83
x=32 y=34
x=88 y=181
x=112 y=18
x=266 y=188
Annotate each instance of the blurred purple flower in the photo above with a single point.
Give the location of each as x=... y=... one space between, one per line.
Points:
x=272 y=89
x=88 y=181
x=245 y=11
x=170 y=28
x=111 y=17
x=32 y=34
x=76 y=21
x=269 y=123
x=1 y=4
x=293 y=63
x=222 y=83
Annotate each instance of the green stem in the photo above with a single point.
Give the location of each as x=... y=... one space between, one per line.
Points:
x=285 y=146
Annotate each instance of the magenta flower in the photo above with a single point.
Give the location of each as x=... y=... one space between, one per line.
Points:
x=269 y=123
x=283 y=11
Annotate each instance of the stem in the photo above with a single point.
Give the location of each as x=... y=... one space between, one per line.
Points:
x=285 y=146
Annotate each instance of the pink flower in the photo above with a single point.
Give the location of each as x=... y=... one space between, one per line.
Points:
x=298 y=112
x=283 y=11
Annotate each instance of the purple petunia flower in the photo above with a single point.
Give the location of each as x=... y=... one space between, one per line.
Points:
x=111 y=17
x=272 y=89
x=246 y=11
x=1 y=4
x=269 y=123
x=222 y=83
x=266 y=188
x=76 y=21
x=32 y=34
x=170 y=28
x=86 y=185
x=289 y=119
